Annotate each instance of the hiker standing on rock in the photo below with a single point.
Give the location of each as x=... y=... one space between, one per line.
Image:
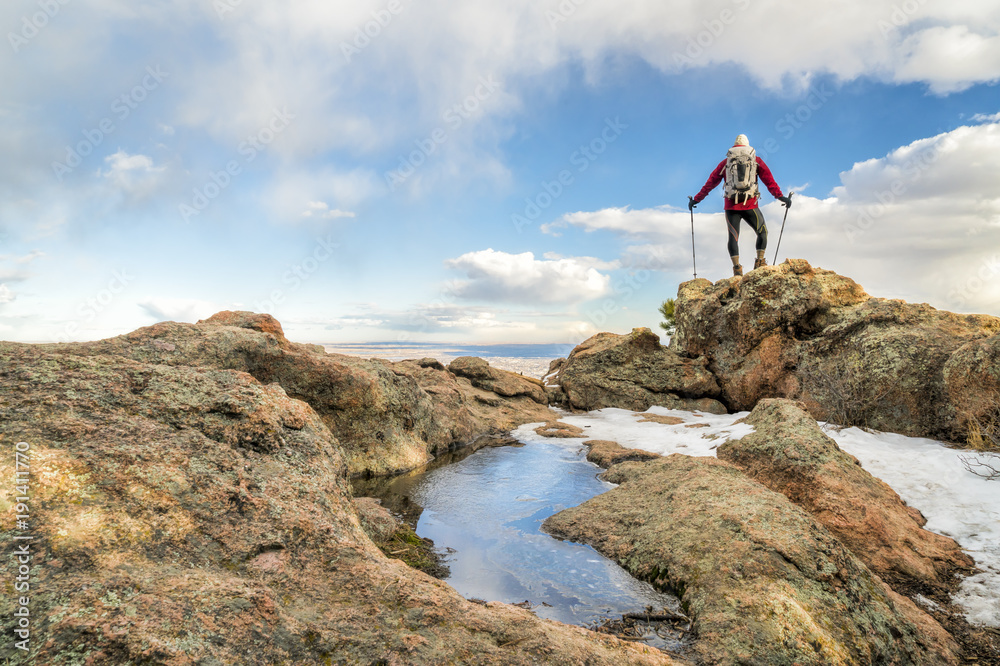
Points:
x=740 y=171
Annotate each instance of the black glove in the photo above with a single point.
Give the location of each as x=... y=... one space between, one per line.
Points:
x=691 y=203
x=786 y=201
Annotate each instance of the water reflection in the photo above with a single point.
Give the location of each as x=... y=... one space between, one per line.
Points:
x=486 y=509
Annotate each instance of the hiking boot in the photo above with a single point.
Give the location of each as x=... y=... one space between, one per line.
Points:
x=759 y=262
x=738 y=269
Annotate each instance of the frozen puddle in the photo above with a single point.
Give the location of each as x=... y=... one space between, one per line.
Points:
x=486 y=510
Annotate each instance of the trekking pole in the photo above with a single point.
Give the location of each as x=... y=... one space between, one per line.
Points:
x=693 y=259
x=775 y=262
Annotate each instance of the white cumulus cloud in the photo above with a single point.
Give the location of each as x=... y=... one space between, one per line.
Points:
x=949 y=58
x=135 y=174
x=521 y=278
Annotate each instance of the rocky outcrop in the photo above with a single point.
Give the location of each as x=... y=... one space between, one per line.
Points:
x=501 y=382
x=463 y=411
x=634 y=372
x=764 y=583
x=805 y=333
x=387 y=416
x=789 y=454
x=972 y=384
x=195 y=514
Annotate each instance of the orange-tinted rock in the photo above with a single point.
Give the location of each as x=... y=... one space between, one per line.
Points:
x=501 y=382
x=264 y=323
x=605 y=453
x=789 y=454
x=635 y=372
x=805 y=333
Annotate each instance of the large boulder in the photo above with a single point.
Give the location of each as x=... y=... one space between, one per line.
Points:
x=464 y=409
x=763 y=582
x=805 y=333
x=385 y=421
x=635 y=372
x=502 y=382
x=189 y=515
x=972 y=384
x=789 y=454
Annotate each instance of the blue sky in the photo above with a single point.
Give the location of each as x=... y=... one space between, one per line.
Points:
x=478 y=172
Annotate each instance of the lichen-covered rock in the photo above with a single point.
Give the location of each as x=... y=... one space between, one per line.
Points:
x=377 y=522
x=764 y=583
x=605 y=453
x=789 y=454
x=385 y=420
x=972 y=382
x=635 y=372
x=559 y=430
x=193 y=515
x=501 y=382
x=380 y=417
x=264 y=323
x=463 y=411
x=805 y=333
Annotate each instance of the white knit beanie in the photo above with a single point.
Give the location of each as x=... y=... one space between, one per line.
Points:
x=742 y=140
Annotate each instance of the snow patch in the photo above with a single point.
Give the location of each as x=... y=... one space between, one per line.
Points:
x=930 y=477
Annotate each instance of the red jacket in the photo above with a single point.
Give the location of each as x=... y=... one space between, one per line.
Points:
x=763 y=173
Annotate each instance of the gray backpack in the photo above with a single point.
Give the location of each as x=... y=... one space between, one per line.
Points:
x=741 y=173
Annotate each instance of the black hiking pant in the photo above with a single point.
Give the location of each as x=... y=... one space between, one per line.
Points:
x=755 y=219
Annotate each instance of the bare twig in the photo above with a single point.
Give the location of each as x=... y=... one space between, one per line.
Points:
x=988 y=468
x=665 y=616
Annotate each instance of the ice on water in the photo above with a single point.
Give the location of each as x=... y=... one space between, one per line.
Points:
x=489 y=507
